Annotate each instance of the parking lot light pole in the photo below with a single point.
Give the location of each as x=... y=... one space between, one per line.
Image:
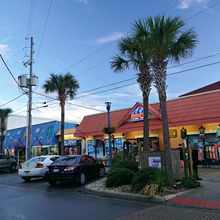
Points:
x=108 y=107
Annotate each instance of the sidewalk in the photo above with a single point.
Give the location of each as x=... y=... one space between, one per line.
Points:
x=207 y=196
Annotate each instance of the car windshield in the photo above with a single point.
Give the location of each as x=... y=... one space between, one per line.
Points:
x=37 y=159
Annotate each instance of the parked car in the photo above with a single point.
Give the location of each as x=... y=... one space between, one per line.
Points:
x=36 y=166
x=74 y=168
x=7 y=163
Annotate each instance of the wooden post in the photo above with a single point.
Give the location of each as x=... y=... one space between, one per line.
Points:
x=190 y=161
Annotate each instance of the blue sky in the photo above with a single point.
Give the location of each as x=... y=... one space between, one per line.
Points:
x=80 y=36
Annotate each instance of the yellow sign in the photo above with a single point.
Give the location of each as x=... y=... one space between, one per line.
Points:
x=173 y=133
x=68 y=136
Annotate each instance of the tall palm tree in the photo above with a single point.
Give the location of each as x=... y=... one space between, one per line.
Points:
x=4 y=113
x=66 y=86
x=169 y=42
x=134 y=52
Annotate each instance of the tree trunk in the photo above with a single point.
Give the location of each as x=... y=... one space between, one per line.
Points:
x=166 y=141
x=62 y=128
x=146 y=123
x=159 y=68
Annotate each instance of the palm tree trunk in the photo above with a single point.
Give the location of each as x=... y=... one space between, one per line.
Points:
x=166 y=141
x=62 y=128
x=159 y=68
x=146 y=122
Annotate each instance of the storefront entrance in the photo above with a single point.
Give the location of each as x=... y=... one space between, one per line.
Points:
x=208 y=148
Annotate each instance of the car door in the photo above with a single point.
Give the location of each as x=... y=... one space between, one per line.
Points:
x=92 y=165
x=4 y=161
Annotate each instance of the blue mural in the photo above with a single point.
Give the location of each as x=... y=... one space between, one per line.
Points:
x=42 y=134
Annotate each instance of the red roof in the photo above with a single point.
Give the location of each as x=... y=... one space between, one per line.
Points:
x=193 y=110
x=94 y=124
x=187 y=110
x=208 y=88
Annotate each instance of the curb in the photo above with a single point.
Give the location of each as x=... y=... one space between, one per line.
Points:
x=89 y=188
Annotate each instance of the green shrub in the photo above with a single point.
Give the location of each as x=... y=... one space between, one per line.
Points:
x=121 y=155
x=128 y=164
x=118 y=177
x=190 y=182
x=147 y=176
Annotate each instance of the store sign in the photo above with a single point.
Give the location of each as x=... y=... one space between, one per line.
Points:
x=70 y=142
x=154 y=162
x=68 y=136
x=137 y=114
x=173 y=133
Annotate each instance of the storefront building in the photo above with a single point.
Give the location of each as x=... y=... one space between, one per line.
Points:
x=72 y=144
x=199 y=108
x=44 y=139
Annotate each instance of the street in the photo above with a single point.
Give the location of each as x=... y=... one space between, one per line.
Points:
x=37 y=200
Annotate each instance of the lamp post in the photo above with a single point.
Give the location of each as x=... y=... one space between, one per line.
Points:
x=202 y=135
x=108 y=107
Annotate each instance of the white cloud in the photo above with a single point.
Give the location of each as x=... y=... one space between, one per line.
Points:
x=185 y=4
x=4 y=49
x=82 y=1
x=109 y=38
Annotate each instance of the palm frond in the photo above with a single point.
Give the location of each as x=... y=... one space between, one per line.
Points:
x=119 y=64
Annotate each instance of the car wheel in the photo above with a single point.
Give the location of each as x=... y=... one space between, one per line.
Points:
x=52 y=183
x=13 y=167
x=82 y=178
x=102 y=172
x=26 y=179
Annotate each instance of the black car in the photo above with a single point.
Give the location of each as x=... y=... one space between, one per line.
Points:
x=74 y=168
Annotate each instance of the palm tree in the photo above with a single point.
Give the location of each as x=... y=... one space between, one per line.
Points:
x=169 y=42
x=134 y=51
x=4 y=113
x=66 y=86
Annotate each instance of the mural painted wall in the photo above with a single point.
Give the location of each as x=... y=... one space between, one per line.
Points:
x=42 y=134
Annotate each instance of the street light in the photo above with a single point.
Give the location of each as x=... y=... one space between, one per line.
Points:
x=108 y=107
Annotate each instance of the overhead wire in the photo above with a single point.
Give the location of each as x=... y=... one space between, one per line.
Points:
x=44 y=28
x=11 y=100
x=30 y=17
x=203 y=10
x=132 y=78
x=86 y=107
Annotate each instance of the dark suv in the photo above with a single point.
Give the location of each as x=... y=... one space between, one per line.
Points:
x=7 y=163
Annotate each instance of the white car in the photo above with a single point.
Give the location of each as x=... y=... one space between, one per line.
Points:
x=36 y=166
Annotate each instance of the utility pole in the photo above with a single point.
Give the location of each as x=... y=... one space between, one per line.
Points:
x=26 y=83
x=29 y=129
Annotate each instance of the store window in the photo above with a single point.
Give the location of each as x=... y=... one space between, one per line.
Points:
x=208 y=148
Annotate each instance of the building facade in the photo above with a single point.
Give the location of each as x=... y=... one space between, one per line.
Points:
x=191 y=112
x=44 y=139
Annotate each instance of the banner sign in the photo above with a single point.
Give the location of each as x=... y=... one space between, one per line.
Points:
x=154 y=162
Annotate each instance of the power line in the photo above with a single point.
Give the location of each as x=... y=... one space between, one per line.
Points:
x=30 y=17
x=171 y=74
x=86 y=57
x=81 y=106
x=200 y=12
x=11 y=100
x=44 y=29
x=119 y=82
x=9 y=70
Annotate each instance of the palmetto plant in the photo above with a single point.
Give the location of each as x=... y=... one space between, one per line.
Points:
x=169 y=42
x=4 y=113
x=135 y=52
x=65 y=85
